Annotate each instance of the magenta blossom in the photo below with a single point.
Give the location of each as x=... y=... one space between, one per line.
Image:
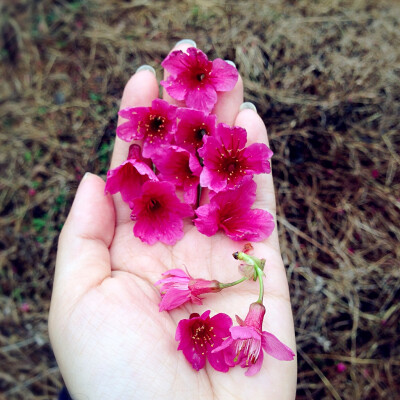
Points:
x=181 y=168
x=198 y=335
x=227 y=162
x=178 y=287
x=231 y=212
x=156 y=125
x=129 y=177
x=246 y=342
x=193 y=126
x=159 y=214
x=196 y=80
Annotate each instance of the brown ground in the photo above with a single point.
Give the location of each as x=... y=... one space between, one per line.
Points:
x=325 y=76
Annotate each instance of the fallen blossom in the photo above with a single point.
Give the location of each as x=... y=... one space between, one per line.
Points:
x=227 y=160
x=129 y=177
x=246 y=342
x=231 y=212
x=196 y=80
x=159 y=214
x=154 y=125
x=199 y=334
x=193 y=127
x=177 y=287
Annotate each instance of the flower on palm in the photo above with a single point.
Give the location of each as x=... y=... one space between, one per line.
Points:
x=247 y=342
x=177 y=287
x=199 y=334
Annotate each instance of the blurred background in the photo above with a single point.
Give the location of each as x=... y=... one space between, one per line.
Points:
x=324 y=76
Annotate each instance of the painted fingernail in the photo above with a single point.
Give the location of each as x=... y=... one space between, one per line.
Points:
x=231 y=63
x=191 y=42
x=248 y=106
x=146 y=67
x=85 y=176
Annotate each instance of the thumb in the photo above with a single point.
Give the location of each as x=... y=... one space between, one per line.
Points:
x=83 y=258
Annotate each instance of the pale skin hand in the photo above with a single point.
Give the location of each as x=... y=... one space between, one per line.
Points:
x=109 y=338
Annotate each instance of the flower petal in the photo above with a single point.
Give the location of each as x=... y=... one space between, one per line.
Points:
x=217 y=361
x=275 y=348
x=244 y=332
x=184 y=336
x=173 y=298
x=175 y=87
x=177 y=62
x=159 y=213
x=128 y=179
x=257 y=156
x=223 y=76
x=201 y=99
x=221 y=323
x=207 y=219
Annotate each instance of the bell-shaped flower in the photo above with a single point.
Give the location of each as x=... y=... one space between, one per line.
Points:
x=130 y=176
x=227 y=162
x=199 y=334
x=231 y=212
x=193 y=127
x=247 y=341
x=159 y=214
x=196 y=80
x=154 y=125
x=178 y=287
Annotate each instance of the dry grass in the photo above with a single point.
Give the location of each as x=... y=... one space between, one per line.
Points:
x=325 y=77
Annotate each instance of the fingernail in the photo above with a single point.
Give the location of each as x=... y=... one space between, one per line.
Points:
x=85 y=176
x=191 y=42
x=146 y=67
x=248 y=106
x=231 y=63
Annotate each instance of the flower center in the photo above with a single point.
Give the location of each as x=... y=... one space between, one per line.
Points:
x=200 y=133
x=157 y=123
x=202 y=335
x=231 y=167
x=200 y=77
x=154 y=205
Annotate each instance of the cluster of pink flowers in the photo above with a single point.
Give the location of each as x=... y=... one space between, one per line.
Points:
x=176 y=153
x=202 y=337
x=185 y=149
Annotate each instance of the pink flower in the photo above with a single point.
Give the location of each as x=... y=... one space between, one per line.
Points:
x=230 y=211
x=198 y=335
x=179 y=287
x=341 y=367
x=130 y=176
x=193 y=127
x=25 y=307
x=245 y=344
x=196 y=80
x=159 y=214
x=155 y=125
x=227 y=162
x=181 y=168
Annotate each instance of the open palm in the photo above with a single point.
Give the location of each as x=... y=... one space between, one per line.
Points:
x=109 y=338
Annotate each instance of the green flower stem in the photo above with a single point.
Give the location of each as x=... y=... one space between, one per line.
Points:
x=244 y=257
x=260 y=274
x=225 y=285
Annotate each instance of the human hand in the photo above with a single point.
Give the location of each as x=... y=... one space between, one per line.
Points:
x=109 y=338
